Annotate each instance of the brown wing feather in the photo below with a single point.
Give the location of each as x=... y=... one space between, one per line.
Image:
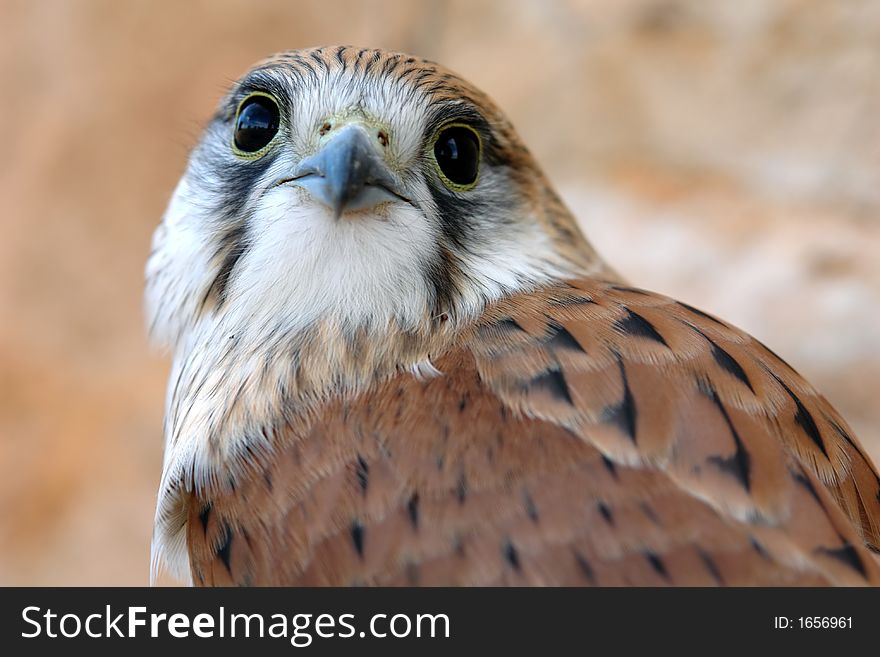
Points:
x=657 y=383
x=585 y=434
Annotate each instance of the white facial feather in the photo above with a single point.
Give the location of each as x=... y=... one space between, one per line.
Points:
x=303 y=265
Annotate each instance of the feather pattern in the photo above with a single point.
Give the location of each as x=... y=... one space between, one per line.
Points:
x=584 y=433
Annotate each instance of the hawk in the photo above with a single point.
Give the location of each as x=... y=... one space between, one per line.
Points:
x=397 y=360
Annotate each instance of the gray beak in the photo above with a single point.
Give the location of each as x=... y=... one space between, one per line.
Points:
x=348 y=173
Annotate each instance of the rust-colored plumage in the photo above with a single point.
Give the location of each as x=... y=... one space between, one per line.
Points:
x=463 y=392
x=582 y=434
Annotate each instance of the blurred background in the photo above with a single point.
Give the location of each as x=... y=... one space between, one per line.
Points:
x=726 y=153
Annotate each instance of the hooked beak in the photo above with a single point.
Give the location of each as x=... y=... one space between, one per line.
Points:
x=347 y=173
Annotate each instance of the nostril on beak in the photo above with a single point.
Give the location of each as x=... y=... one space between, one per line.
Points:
x=349 y=171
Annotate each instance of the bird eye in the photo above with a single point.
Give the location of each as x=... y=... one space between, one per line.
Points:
x=256 y=123
x=457 y=153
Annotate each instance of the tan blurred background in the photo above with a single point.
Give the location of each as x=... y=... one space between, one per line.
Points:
x=727 y=153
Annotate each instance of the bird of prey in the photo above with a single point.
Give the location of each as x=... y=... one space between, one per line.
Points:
x=398 y=361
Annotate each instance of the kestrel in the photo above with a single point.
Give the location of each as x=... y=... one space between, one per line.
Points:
x=397 y=360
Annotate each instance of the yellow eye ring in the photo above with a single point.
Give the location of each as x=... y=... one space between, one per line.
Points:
x=256 y=125
x=456 y=151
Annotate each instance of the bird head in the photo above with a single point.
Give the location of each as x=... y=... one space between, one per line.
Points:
x=355 y=187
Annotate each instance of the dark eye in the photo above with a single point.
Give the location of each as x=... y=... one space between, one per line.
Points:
x=457 y=151
x=256 y=123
